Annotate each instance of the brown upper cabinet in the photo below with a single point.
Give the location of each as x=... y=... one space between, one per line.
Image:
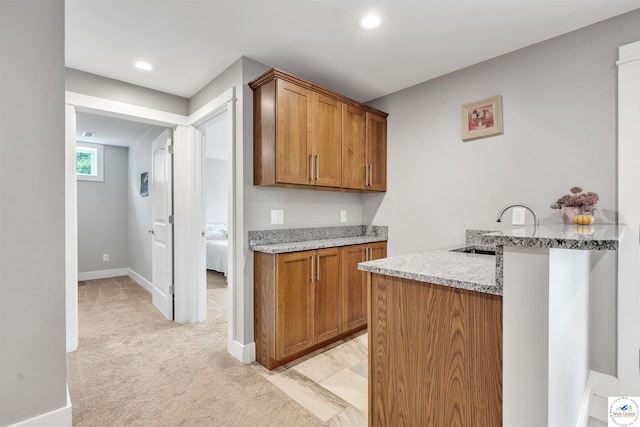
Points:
x=306 y=136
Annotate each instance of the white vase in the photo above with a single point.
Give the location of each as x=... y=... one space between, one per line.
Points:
x=568 y=212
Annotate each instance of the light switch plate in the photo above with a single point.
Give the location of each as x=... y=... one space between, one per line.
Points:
x=277 y=217
x=518 y=216
x=343 y=216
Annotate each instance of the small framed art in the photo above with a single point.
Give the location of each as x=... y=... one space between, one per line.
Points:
x=144 y=184
x=482 y=118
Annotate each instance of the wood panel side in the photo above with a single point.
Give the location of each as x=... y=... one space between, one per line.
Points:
x=264 y=307
x=264 y=134
x=435 y=355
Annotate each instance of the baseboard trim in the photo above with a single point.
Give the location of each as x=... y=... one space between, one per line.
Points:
x=245 y=353
x=103 y=274
x=60 y=417
x=140 y=280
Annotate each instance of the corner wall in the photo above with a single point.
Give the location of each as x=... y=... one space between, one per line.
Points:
x=559 y=103
x=32 y=213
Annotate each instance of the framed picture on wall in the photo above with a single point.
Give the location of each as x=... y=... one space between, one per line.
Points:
x=482 y=118
x=144 y=184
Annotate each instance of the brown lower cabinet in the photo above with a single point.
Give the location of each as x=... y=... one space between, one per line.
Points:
x=435 y=355
x=305 y=300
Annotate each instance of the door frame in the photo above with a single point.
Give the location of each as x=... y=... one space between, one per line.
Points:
x=190 y=292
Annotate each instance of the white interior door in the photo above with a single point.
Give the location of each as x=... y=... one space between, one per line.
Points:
x=162 y=231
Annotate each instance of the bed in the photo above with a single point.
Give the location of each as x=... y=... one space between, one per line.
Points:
x=217 y=246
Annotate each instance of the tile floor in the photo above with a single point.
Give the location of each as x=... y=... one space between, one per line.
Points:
x=331 y=382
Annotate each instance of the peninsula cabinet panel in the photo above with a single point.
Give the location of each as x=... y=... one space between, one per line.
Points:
x=300 y=132
x=435 y=355
x=354 y=281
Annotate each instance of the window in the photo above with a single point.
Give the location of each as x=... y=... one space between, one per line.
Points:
x=89 y=161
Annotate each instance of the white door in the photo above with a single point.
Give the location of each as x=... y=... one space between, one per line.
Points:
x=162 y=231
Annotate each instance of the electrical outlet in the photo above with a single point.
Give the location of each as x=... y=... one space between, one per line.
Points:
x=343 y=216
x=277 y=217
x=518 y=216
x=105 y=257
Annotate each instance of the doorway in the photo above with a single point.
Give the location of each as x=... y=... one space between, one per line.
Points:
x=216 y=198
x=189 y=258
x=123 y=204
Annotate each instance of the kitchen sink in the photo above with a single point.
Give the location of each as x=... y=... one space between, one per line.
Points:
x=475 y=250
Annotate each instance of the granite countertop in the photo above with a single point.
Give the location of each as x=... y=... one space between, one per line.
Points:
x=483 y=273
x=307 y=245
x=442 y=267
x=561 y=236
x=305 y=239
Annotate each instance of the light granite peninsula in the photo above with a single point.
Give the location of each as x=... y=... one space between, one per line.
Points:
x=535 y=334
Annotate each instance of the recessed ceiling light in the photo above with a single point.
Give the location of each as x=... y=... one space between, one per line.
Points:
x=370 y=21
x=89 y=134
x=143 y=65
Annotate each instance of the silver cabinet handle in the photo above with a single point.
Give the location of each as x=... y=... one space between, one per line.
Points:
x=366 y=174
x=311 y=168
x=318 y=267
x=370 y=174
x=366 y=254
x=317 y=166
x=311 y=260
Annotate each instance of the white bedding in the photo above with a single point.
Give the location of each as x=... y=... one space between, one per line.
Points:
x=217 y=255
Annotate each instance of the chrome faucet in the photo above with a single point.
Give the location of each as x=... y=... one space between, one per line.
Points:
x=519 y=205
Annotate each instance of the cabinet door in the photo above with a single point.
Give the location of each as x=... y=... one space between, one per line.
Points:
x=327 y=141
x=353 y=147
x=293 y=133
x=294 y=307
x=378 y=250
x=377 y=152
x=328 y=295
x=354 y=293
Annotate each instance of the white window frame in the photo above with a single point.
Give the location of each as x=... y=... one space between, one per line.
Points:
x=99 y=161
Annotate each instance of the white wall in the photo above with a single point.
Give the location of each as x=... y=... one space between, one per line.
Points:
x=32 y=215
x=102 y=215
x=215 y=191
x=139 y=208
x=559 y=101
x=103 y=87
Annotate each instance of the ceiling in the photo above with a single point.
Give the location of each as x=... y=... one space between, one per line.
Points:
x=189 y=42
x=109 y=130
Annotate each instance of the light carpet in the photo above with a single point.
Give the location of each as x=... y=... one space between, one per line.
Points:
x=134 y=367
